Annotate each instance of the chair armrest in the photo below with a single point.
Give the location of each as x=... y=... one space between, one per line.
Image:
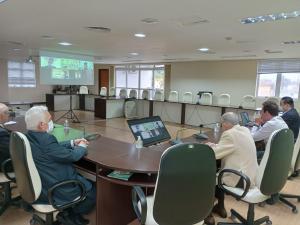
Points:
x=241 y=175
x=138 y=194
x=69 y=204
x=4 y=167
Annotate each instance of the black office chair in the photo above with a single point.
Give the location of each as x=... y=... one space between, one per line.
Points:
x=29 y=183
x=6 y=179
x=271 y=178
x=184 y=190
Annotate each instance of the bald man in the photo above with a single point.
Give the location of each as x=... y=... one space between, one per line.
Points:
x=237 y=151
x=4 y=134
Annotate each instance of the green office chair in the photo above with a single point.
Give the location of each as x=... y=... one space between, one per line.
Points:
x=271 y=178
x=30 y=186
x=184 y=190
x=6 y=179
x=294 y=169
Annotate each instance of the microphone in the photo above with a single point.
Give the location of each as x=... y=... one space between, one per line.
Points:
x=177 y=140
x=201 y=135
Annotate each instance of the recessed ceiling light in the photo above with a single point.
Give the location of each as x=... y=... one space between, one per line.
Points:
x=270 y=17
x=203 y=49
x=140 y=35
x=64 y=43
x=134 y=53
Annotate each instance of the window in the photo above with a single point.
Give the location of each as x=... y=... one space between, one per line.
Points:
x=278 y=78
x=139 y=77
x=21 y=74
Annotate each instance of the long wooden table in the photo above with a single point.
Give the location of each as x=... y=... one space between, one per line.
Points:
x=105 y=155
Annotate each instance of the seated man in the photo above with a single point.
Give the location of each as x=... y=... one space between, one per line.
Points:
x=4 y=135
x=54 y=162
x=237 y=151
x=267 y=124
x=290 y=115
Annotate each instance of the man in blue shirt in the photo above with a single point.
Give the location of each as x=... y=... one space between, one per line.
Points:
x=290 y=115
x=54 y=162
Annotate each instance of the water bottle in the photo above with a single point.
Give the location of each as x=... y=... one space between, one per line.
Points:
x=66 y=127
x=139 y=142
x=217 y=128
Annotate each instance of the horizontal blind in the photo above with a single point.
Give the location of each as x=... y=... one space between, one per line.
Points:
x=21 y=74
x=278 y=66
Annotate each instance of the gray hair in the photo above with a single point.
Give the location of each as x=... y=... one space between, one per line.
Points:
x=34 y=116
x=3 y=108
x=230 y=117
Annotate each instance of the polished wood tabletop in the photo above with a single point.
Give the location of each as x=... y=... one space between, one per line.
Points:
x=118 y=155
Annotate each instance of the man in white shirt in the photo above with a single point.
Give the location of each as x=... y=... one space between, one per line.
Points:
x=268 y=123
x=237 y=151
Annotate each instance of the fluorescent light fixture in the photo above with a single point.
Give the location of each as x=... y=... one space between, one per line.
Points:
x=140 y=35
x=271 y=17
x=203 y=49
x=134 y=53
x=1 y=1
x=64 y=43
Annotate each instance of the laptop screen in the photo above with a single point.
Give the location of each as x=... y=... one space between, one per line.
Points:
x=151 y=130
x=245 y=118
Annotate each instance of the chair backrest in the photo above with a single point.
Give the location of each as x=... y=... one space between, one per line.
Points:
x=27 y=177
x=295 y=165
x=275 y=165
x=187 y=97
x=224 y=99
x=112 y=91
x=206 y=99
x=158 y=95
x=83 y=90
x=103 y=91
x=123 y=93
x=145 y=94
x=274 y=99
x=173 y=96
x=248 y=101
x=130 y=109
x=133 y=94
x=185 y=186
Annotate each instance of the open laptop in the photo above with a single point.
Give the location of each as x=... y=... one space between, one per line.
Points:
x=246 y=120
x=151 y=130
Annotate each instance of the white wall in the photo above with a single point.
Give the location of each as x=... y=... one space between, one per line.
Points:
x=237 y=78
x=22 y=94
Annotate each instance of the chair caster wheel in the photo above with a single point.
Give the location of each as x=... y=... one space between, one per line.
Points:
x=262 y=204
x=34 y=222
x=269 y=222
x=295 y=211
x=233 y=218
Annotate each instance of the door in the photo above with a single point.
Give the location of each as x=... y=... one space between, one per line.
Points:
x=103 y=80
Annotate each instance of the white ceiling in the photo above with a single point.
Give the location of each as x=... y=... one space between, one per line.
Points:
x=25 y=21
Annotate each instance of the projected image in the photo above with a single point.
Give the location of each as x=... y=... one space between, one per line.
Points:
x=56 y=70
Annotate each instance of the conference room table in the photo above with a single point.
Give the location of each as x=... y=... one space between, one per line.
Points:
x=105 y=155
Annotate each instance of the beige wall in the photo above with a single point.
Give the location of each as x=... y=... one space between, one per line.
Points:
x=237 y=78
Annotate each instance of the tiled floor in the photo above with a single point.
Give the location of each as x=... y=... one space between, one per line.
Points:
x=117 y=129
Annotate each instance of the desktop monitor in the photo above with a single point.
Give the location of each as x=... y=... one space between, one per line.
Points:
x=151 y=130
